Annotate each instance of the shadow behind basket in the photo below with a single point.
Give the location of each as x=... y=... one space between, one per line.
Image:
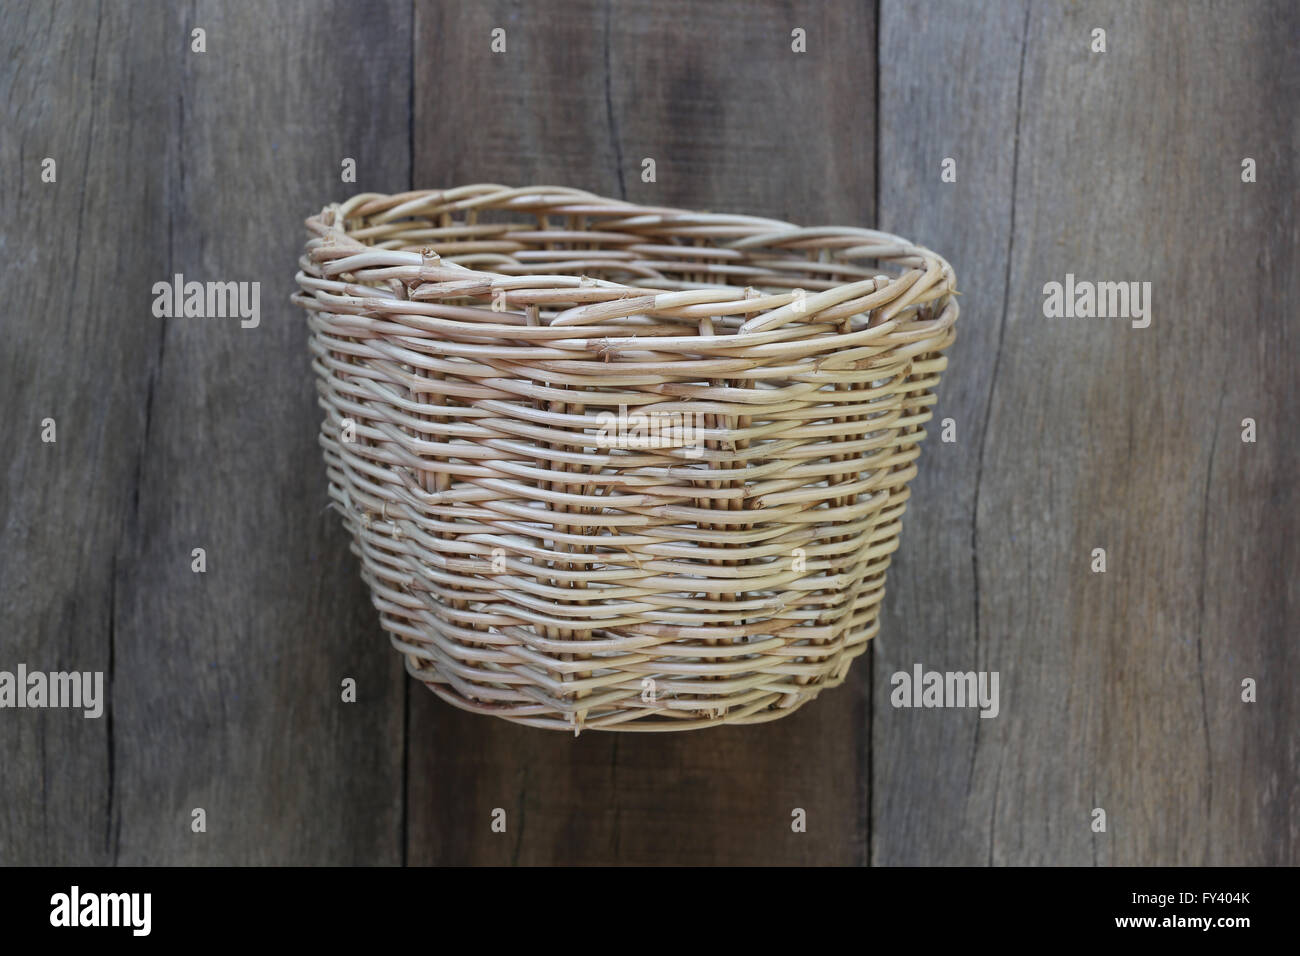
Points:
x=619 y=467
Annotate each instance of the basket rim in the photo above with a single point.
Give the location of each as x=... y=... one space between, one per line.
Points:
x=930 y=276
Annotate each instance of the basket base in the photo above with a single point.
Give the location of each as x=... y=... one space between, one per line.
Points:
x=638 y=715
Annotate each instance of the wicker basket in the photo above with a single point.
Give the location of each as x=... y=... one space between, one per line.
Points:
x=614 y=466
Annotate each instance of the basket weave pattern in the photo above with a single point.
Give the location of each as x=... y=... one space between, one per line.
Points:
x=620 y=467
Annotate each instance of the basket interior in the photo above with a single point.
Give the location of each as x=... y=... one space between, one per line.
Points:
x=647 y=249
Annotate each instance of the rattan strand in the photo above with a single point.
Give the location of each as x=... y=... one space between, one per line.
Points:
x=539 y=551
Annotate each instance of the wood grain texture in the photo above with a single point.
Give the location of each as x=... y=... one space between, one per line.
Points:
x=71 y=355
x=192 y=432
x=932 y=802
x=242 y=667
x=1120 y=690
x=735 y=122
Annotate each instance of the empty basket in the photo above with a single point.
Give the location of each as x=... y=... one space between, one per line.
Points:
x=615 y=466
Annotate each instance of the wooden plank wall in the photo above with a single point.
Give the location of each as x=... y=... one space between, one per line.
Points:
x=1119 y=690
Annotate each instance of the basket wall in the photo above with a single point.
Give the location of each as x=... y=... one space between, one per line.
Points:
x=619 y=467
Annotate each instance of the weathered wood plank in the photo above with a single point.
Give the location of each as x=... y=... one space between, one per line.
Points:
x=227 y=694
x=949 y=89
x=84 y=87
x=1119 y=690
x=735 y=122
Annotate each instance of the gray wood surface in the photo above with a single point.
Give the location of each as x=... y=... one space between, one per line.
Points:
x=1119 y=690
x=184 y=433
x=932 y=614
x=68 y=355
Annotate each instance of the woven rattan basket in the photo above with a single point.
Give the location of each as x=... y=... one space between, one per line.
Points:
x=615 y=466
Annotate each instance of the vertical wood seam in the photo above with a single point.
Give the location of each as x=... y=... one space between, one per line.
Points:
x=988 y=404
